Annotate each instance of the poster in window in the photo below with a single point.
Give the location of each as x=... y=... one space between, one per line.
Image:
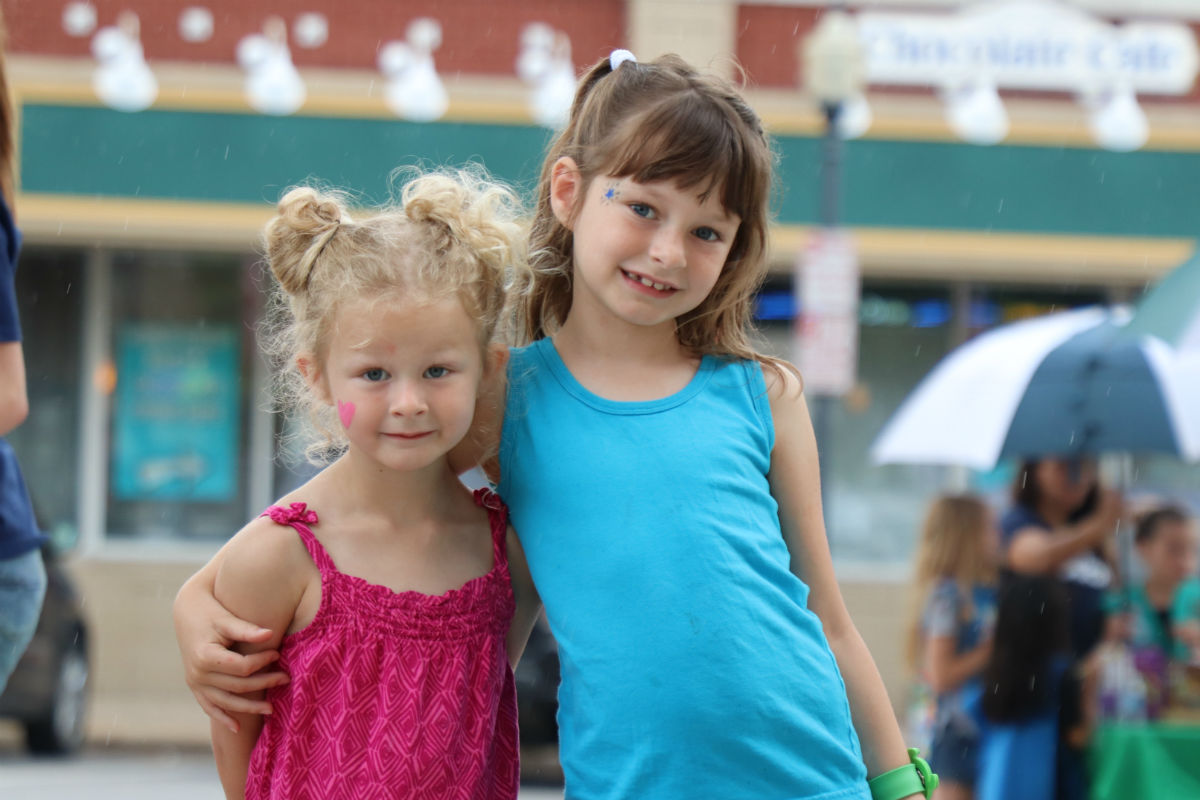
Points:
x=176 y=426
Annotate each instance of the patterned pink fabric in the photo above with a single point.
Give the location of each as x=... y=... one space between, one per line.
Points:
x=394 y=695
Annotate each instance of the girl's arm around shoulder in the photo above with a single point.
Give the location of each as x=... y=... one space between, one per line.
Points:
x=528 y=601
x=263 y=572
x=796 y=485
x=206 y=632
x=261 y=577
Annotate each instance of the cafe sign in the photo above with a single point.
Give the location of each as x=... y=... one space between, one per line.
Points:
x=1030 y=45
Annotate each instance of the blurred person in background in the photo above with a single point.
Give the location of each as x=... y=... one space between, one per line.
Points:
x=1140 y=631
x=1166 y=545
x=22 y=574
x=949 y=639
x=1061 y=524
x=1034 y=700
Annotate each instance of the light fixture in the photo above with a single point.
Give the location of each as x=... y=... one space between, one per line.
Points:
x=834 y=62
x=79 y=19
x=122 y=79
x=855 y=118
x=273 y=85
x=834 y=59
x=195 y=24
x=1115 y=119
x=975 y=111
x=311 y=30
x=414 y=91
x=544 y=63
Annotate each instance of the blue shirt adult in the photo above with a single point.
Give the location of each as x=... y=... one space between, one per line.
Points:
x=691 y=664
x=18 y=529
x=1086 y=578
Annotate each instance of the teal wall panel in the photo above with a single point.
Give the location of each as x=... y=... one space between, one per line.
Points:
x=1009 y=188
x=186 y=155
x=247 y=158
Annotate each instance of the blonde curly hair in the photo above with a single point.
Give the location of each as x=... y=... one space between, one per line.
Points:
x=453 y=234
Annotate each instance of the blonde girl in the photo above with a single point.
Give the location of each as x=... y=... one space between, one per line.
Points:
x=384 y=582
x=663 y=475
x=949 y=640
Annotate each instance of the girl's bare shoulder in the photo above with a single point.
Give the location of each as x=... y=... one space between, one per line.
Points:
x=264 y=547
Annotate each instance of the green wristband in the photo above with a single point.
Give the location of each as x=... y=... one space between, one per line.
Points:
x=914 y=778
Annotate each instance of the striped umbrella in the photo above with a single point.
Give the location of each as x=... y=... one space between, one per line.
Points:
x=1074 y=383
x=1171 y=310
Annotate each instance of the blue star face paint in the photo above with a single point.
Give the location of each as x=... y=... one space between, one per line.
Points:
x=612 y=192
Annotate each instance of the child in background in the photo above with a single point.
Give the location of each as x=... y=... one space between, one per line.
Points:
x=1142 y=617
x=1033 y=702
x=1166 y=545
x=950 y=635
x=664 y=476
x=384 y=582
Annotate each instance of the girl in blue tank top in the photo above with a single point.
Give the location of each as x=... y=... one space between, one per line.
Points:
x=662 y=475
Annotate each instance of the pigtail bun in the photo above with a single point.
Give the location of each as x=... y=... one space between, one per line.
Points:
x=305 y=223
x=467 y=211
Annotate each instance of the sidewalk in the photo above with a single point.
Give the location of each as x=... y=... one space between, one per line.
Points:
x=119 y=771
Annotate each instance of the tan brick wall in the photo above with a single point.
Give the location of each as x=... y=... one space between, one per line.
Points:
x=702 y=31
x=138 y=694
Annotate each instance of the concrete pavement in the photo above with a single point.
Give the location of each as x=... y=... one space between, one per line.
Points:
x=101 y=773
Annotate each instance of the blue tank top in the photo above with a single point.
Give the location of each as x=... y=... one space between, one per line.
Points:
x=691 y=664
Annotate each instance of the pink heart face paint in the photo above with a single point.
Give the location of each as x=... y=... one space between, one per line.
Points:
x=345 y=412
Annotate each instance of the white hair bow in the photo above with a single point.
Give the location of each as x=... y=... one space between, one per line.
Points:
x=619 y=57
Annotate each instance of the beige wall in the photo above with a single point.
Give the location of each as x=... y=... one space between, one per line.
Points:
x=138 y=694
x=701 y=31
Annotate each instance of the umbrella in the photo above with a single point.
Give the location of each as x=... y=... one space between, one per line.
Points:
x=1171 y=310
x=1074 y=383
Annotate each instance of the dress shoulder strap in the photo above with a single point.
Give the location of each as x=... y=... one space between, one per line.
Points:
x=299 y=517
x=497 y=513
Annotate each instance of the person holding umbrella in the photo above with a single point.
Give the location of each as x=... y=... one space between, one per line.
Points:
x=1060 y=525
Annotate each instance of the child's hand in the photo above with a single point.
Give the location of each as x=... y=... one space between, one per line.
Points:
x=216 y=674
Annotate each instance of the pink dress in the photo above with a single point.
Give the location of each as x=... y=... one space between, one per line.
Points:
x=394 y=695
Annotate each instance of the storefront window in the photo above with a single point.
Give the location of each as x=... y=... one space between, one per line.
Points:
x=50 y=294
x=873 y=512
x=292 y=437
x=182 y=347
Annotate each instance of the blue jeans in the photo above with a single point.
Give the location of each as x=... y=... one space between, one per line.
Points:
x=22 y=587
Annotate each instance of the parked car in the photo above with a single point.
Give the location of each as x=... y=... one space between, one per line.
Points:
x=48 y=691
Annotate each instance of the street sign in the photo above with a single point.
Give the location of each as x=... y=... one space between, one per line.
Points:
x=826 y=332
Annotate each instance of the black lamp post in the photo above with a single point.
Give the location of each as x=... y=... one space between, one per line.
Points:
x=834 y=75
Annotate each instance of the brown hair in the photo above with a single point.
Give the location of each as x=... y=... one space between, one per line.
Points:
x=7 y=145
x=1027 y=492
x=1148 y=524
x=453 y=235
x=953 y=545
x=656 y=121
